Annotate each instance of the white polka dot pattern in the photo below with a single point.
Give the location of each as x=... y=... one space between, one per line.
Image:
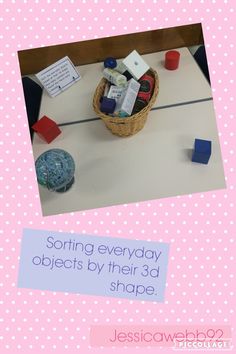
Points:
x=200 y=227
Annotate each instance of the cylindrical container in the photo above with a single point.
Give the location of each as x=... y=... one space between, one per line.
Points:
x=145 y=93
x=172 y=60
x=55 y=170
x=115 y=77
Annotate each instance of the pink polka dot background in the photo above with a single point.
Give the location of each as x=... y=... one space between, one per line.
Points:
x=200 y=227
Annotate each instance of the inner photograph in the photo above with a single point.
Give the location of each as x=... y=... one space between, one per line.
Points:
x=121 y=119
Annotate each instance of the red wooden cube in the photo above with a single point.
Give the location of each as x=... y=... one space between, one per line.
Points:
x=47 y=129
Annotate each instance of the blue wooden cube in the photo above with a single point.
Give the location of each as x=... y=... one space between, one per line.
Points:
x=202 y=151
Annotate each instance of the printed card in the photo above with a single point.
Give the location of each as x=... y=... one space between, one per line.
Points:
x=59 y=76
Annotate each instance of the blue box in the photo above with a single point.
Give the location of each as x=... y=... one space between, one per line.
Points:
x=108 y=105
x=202 y=151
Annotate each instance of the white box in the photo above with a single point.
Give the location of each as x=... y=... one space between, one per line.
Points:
x=116 y=92
x=135 y=64
x=125 y=103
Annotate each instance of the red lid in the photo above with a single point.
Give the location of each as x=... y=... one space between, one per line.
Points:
x=172 y=55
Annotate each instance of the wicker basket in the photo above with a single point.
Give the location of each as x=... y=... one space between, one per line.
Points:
x=129 y=125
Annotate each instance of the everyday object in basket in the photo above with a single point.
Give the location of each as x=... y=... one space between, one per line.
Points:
x=121 y=68
x=115 y=77
x=172 y=58
x=130 y=125
x=145 y=92
x=47 y=129
x=108 y=105
x=127 y=75
x=55 y=170
x=202 y=151
x=110 y=63
x=135 y=65
x=116 y=92
x=125 y=103
x=106 y=90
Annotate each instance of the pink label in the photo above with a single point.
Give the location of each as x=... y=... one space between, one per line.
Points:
x=160 y=336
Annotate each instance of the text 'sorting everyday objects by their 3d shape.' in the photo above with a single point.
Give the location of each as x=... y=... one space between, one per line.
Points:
x=93 y=265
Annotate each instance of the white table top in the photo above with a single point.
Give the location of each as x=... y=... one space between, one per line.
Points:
x=182 y=85
x=154 y=163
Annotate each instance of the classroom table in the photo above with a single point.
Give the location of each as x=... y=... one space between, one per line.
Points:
x=186 y=84
x=154 y=163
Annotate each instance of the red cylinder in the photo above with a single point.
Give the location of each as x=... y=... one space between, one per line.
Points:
x=172 y=60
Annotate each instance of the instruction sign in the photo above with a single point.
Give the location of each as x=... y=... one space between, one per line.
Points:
x=57 y=77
